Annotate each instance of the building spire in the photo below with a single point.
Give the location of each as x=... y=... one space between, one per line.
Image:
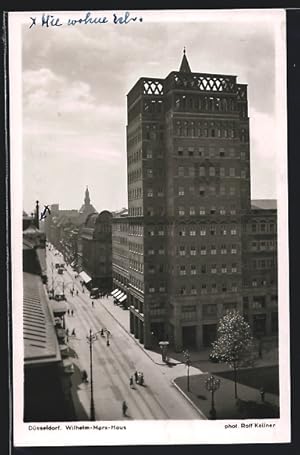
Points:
x=185 y=67
x=87 y=199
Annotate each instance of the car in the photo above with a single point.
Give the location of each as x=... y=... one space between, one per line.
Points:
x=60 y=297
x=94 y=293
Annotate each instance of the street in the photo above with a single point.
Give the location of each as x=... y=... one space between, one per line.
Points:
x=114 y=364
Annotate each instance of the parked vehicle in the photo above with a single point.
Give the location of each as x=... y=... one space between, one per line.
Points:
x=60 y=296
x=60 y=271
x=95 y=293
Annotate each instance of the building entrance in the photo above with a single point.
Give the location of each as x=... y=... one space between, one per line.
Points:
x=158 y=332
x=189 y=337
x=209 y=334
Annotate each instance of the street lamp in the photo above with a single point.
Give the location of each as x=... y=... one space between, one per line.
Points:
x=188 y=362
x=212 y=385
x=90 y=339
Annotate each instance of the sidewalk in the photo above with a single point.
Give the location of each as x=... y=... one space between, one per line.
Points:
x=200 y=360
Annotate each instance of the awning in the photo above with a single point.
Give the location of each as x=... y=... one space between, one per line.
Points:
x=114 y=292
x=117 y=294
x=85 y=277
x=123 y=298
x=120 y=295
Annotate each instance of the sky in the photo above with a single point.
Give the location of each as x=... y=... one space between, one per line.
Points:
x=75 y=81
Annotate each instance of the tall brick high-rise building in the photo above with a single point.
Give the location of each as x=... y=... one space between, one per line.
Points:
x=189 y=205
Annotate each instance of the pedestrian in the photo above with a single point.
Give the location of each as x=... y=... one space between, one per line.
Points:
x=73 y=333
x=136 y=376
x=142 y=379
x=107 y=342
x=124 y=408
x=84 y=376
x=72 y=312
x=67 y=332
x=76 y=291
x=68 y=312
x=102 y=332
x=262 y=394
x=131 y=381
x=93 y=303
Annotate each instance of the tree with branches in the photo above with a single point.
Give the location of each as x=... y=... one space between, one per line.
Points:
x=234 y=344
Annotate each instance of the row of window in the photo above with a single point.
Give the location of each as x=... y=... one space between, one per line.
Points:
x=263 y=245
x=262 y=226
x=204 y=268
x=205 y=103
x=204 y=250
x=136 y=247
x=263 y=264
x=205 y=288
x=136 y=283
x=210 y=171
x=192 y=211
x=209 y=152
x=137 y=266
x=135 y=175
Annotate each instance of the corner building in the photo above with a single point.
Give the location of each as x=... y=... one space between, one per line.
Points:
x=188 y=194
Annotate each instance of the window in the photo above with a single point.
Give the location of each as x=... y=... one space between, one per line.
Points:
x=191 y=188
x=201 y=190
x=193 y=270
x=151 y=233
x=232 y=190
x=149 y=154
x=192 y=171
x=181 y=171
x=254 y=246
x=222 y=171
x=231 y=149
x=223 y=249
x=203 y=289
x=202 y=231
x=212 y=171
x=162 y=288
x=221 y=152
x=151 y=269
x=254 y=227
x=232 y=211
x=182 y=233
x=149 y=173
x=213 y=210
x=181 y=211
x=193 y=290
x=212 y=149
x=202 y=211
x=151 y=289
x=233 y=231
x=224 y=268
x=181 y=191
x=214 y=288
x=212 y=189
x=161 y=251
x=182 y=290
x=182 y=251
x=213 y=230
x=262 y=227
x=234 y=268
x=150 y=251
x=243 y=155
x=150 y=192
x=222 y=190
x=223 y=230
x=213 y=250
x=210 y=310
x=203 y=250
x=222 y=211
x=161 y=233
x=234 y=287
x=182 y=270
x=192 y=233
x=254 y=283
x=193 y=251
x=224 y=287
x=202 y=171
x=192 y=211
x=232 y=172
x=213 y=268
x=243 y=174
x=233 y=249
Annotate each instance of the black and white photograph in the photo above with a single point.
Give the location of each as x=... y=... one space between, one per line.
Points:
x=149 y=227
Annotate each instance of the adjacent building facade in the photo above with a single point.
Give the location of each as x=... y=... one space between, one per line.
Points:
x=191 y=248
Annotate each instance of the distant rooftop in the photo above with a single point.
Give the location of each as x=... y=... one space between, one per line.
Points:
x=264 y=204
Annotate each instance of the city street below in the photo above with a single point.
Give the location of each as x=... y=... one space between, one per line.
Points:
x=113 y=364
